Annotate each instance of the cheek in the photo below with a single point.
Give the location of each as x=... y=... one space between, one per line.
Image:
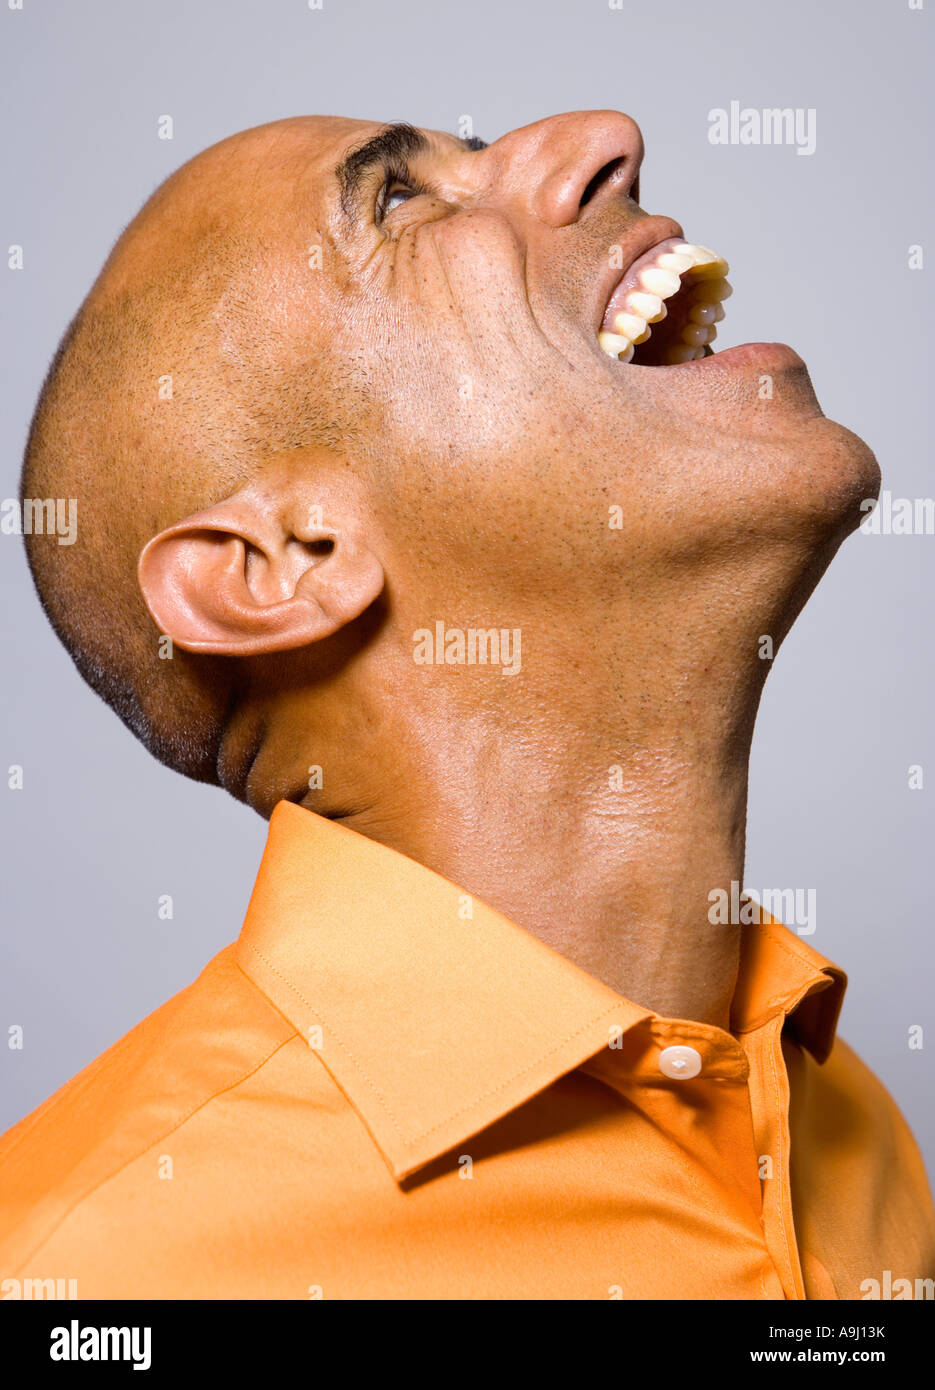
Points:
x=466 y=417
x=459 y=284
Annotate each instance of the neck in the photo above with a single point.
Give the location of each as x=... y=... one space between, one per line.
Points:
x=601 y=833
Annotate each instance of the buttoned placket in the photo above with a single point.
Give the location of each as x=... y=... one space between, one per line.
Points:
x=735 y=1085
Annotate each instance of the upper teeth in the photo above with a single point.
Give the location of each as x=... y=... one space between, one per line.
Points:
x=659 y=279
x=648 y=306
x=661 y=282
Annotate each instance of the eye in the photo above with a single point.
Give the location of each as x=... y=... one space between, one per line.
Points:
x=399 y=186
x=394 y=197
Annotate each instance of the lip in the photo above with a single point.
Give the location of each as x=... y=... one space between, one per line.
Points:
x=647 y=233
x=767 y=357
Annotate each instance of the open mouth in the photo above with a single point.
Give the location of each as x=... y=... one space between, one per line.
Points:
x=665 y=309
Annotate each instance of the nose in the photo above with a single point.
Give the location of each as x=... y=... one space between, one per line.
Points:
x=556 y=166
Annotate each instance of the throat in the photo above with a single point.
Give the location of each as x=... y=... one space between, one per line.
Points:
x=637 y=913
x=613 y=865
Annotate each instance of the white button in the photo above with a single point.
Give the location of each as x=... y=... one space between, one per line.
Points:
x=681 y=1063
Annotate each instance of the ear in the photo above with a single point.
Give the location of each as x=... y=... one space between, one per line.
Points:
x=257 y=574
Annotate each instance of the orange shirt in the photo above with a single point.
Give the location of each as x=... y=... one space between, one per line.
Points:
x=384 y=1089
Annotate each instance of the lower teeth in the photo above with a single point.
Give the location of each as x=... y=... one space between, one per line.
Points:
x=682 y=352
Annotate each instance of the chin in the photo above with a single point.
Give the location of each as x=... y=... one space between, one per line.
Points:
x=816 y=471
x=844 y=473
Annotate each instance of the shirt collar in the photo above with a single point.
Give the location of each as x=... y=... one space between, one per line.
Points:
x=435 y=1014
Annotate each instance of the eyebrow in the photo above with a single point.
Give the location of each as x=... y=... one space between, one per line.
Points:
x=395 y=143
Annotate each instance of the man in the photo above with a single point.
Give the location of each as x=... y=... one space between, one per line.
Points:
x=414 y=504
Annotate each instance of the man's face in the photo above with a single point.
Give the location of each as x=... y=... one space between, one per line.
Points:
x=401 y=331
x=458 y=303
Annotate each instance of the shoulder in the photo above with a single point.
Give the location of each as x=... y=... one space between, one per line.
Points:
x=849 y=1105
x=200 y=1045
x=856 y=1165
x=848 y=1086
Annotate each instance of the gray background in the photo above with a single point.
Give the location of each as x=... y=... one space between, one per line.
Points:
x=818 y=249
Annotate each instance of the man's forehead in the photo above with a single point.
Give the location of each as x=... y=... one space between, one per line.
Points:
x=252 y=183
x=315 y=161
x=324 y=142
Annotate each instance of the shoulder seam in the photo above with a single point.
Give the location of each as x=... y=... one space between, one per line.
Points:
x=84 y=1077
x=158 y=1140
x=76 y=1086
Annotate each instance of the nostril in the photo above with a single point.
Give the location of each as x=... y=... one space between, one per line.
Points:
x=604 y=175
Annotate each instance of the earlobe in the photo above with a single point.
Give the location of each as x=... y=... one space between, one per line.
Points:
x=233 y=582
